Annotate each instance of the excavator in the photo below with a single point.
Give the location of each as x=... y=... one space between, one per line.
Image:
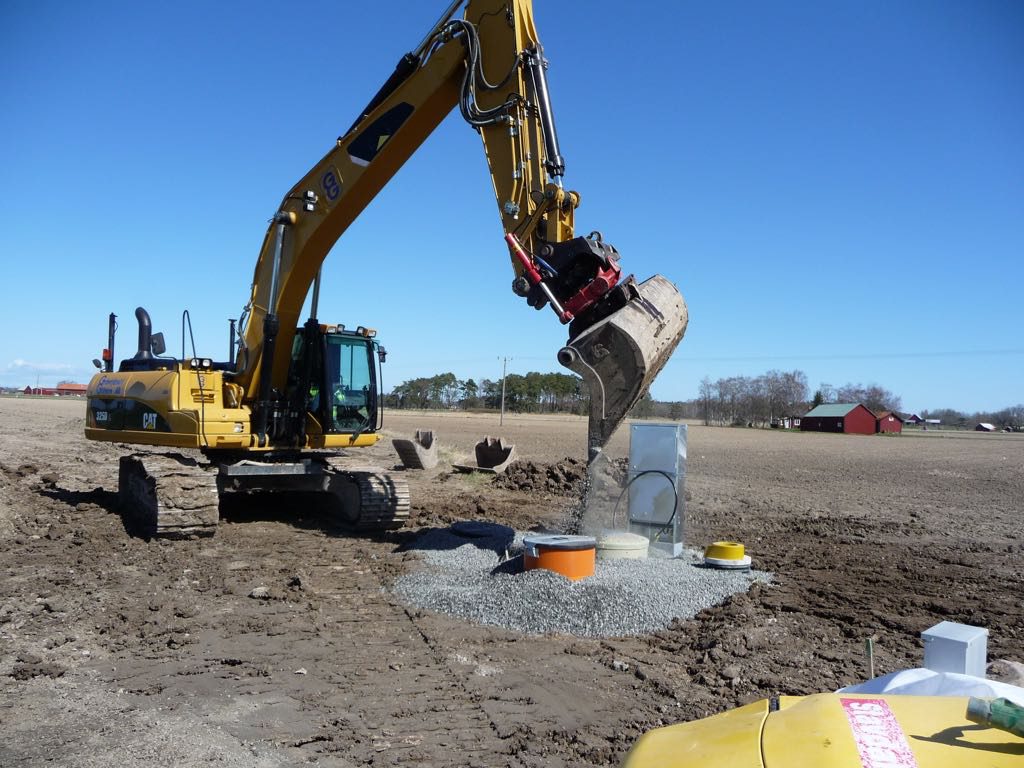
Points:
x=279 y=414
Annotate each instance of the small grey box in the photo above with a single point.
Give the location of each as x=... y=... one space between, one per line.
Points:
x=959 y=648
x=657 y=484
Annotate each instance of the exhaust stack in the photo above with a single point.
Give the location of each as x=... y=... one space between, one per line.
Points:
x=145 y=351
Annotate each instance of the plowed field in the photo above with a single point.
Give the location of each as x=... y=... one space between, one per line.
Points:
x=278 y=642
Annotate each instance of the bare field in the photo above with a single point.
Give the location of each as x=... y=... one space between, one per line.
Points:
x=113 y=648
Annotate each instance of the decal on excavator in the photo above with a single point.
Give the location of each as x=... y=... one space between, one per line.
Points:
x=371 y=140
x=126 y=414
x=109 y=386
x=330 y=183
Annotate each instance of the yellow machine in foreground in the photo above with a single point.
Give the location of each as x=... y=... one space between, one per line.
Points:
x=263 y=419
x=833 y=730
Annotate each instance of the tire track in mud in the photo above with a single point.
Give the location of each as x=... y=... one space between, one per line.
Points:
x=395 y=697
x=322 y=662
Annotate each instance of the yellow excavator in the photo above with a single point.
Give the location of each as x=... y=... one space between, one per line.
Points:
x=278 y=414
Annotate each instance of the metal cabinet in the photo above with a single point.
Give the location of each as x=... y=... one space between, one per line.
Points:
x=657 y=484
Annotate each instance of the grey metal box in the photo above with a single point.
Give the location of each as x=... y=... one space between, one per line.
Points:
x=952 y=647
x=657 y=483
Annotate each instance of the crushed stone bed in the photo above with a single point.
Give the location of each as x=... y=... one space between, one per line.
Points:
x=472 y=579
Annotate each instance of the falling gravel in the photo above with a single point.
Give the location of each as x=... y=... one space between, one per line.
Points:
x=480 y=578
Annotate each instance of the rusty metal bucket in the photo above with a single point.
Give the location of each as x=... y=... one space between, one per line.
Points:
x=619 y=356
x=492 y=455
x=418 y=453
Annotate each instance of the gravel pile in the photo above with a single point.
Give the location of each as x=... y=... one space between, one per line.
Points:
x=471 y=578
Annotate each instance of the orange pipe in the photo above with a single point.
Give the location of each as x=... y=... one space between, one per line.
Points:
x=574 y=564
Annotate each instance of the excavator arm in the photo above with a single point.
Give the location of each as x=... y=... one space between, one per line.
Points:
x=489 y=62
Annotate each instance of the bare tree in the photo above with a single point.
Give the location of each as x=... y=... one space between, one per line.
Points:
x=760 y=400
x=873 y=396
x=794 y=387
x=706 y=399
x=1010 y=417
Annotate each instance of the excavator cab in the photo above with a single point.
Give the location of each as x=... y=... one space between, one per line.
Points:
x=340 y=383
x=350 y=381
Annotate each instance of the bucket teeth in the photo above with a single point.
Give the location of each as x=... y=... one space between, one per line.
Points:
x=619 y=356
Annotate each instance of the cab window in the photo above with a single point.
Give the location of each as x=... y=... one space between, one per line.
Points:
x=349 y=384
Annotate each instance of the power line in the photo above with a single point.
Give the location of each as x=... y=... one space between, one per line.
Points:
x=681 y=355
x=858 y=356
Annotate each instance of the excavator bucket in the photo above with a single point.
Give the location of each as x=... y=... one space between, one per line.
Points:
x=492 y=455
x=619 y=356
x=418 y=453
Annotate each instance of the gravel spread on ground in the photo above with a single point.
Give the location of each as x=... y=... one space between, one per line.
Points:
x=481 y=579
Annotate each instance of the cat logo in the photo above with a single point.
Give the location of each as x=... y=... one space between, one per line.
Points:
x=149 y=421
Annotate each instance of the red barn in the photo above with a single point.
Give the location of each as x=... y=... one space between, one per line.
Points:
x=889 y=421
x=69 y=388
x=64 y=389
x=850 y=418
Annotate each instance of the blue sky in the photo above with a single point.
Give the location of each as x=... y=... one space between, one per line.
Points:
x=835 y=187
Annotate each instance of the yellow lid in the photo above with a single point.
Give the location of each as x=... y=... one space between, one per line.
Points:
x=725 y=550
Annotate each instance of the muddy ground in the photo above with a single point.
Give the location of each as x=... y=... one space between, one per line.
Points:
x=114 y=648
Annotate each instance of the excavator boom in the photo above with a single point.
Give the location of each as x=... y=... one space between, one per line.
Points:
x=268 y=418
x=490 y=63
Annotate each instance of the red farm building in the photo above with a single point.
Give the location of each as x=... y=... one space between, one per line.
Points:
x=64 y=389
x=888 y=421
x=850 y=418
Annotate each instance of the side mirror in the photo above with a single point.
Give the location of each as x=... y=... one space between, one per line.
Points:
x=97 y=363
x=382 y=354
x=157 y=344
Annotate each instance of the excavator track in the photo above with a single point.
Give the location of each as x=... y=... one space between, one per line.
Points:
x=365 y=498
x=167 y=495
x=173 y=496
x=371 y=499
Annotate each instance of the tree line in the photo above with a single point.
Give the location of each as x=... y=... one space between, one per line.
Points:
x=876 y=398
x=776 y=395
x=533 y=393
x=1011 y=416
x=748 y=400
x=733 y=400
x=752 y=400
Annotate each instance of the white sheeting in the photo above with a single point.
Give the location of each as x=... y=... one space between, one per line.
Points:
x=925 y=682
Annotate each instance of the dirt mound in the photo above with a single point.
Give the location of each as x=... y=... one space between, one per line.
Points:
x=563 y=478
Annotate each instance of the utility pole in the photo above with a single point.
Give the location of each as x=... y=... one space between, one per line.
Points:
x=504 y=368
